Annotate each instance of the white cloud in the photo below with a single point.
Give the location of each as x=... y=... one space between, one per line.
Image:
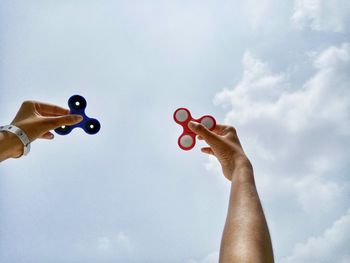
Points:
x=314 y=193
x=300 y=118
x=211 y=258
x=107 y=247
x=262 y=93
x=258 y=83
x=331 y=246
x=322 y=15
x=118 y=244
x=296 y=137
x=257 y=13
x=213 y=166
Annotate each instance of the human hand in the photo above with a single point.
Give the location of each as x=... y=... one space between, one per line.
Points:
x=36 y=119
x=224 y=144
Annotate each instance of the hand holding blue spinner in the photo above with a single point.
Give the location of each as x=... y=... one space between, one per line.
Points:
x=77 y=105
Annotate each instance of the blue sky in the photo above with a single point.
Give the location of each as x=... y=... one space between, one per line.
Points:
x=277 y=70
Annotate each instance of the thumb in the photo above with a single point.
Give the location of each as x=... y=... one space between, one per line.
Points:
x=55 y=122
x=199 y=129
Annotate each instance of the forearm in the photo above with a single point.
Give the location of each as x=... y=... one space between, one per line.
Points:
x=246 y=236
x=10 y=146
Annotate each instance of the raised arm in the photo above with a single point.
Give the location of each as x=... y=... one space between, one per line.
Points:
x=246 y=237
x=35 y=119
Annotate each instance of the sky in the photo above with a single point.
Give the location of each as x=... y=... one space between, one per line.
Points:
x=276 y=70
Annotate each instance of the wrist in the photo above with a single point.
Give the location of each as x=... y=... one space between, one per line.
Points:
x=241 y=169
x=11 y=146
x=21 y=136
x=17 y=146
x=243 y=173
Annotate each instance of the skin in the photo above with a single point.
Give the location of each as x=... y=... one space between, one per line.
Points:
x=36 y=119
x=246 y=237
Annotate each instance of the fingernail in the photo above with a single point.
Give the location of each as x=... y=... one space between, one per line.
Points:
x=52 y=136
x=79 y=117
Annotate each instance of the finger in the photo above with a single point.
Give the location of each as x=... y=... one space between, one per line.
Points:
x=55 y=122
x=200 y=138
x=210 y=137
x=47 y=136
x=47 y=109
x=220 y=129
x=207 y=150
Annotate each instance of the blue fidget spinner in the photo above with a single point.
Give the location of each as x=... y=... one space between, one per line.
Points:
x=77 y=105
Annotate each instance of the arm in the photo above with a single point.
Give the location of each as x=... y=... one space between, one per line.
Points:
x=36 y=119
x=246 y=237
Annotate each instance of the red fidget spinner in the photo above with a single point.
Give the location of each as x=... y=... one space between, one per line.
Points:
x=187 y=140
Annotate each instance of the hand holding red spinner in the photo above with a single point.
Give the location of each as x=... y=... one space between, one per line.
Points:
x=187 y=140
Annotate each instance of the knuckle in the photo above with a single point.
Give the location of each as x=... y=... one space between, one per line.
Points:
x=232 y=129
x=26 y=103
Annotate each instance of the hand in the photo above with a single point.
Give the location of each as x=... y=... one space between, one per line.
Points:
x=36 y=119
x=224 y=145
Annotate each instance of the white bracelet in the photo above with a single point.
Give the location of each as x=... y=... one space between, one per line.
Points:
x=20 y=134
